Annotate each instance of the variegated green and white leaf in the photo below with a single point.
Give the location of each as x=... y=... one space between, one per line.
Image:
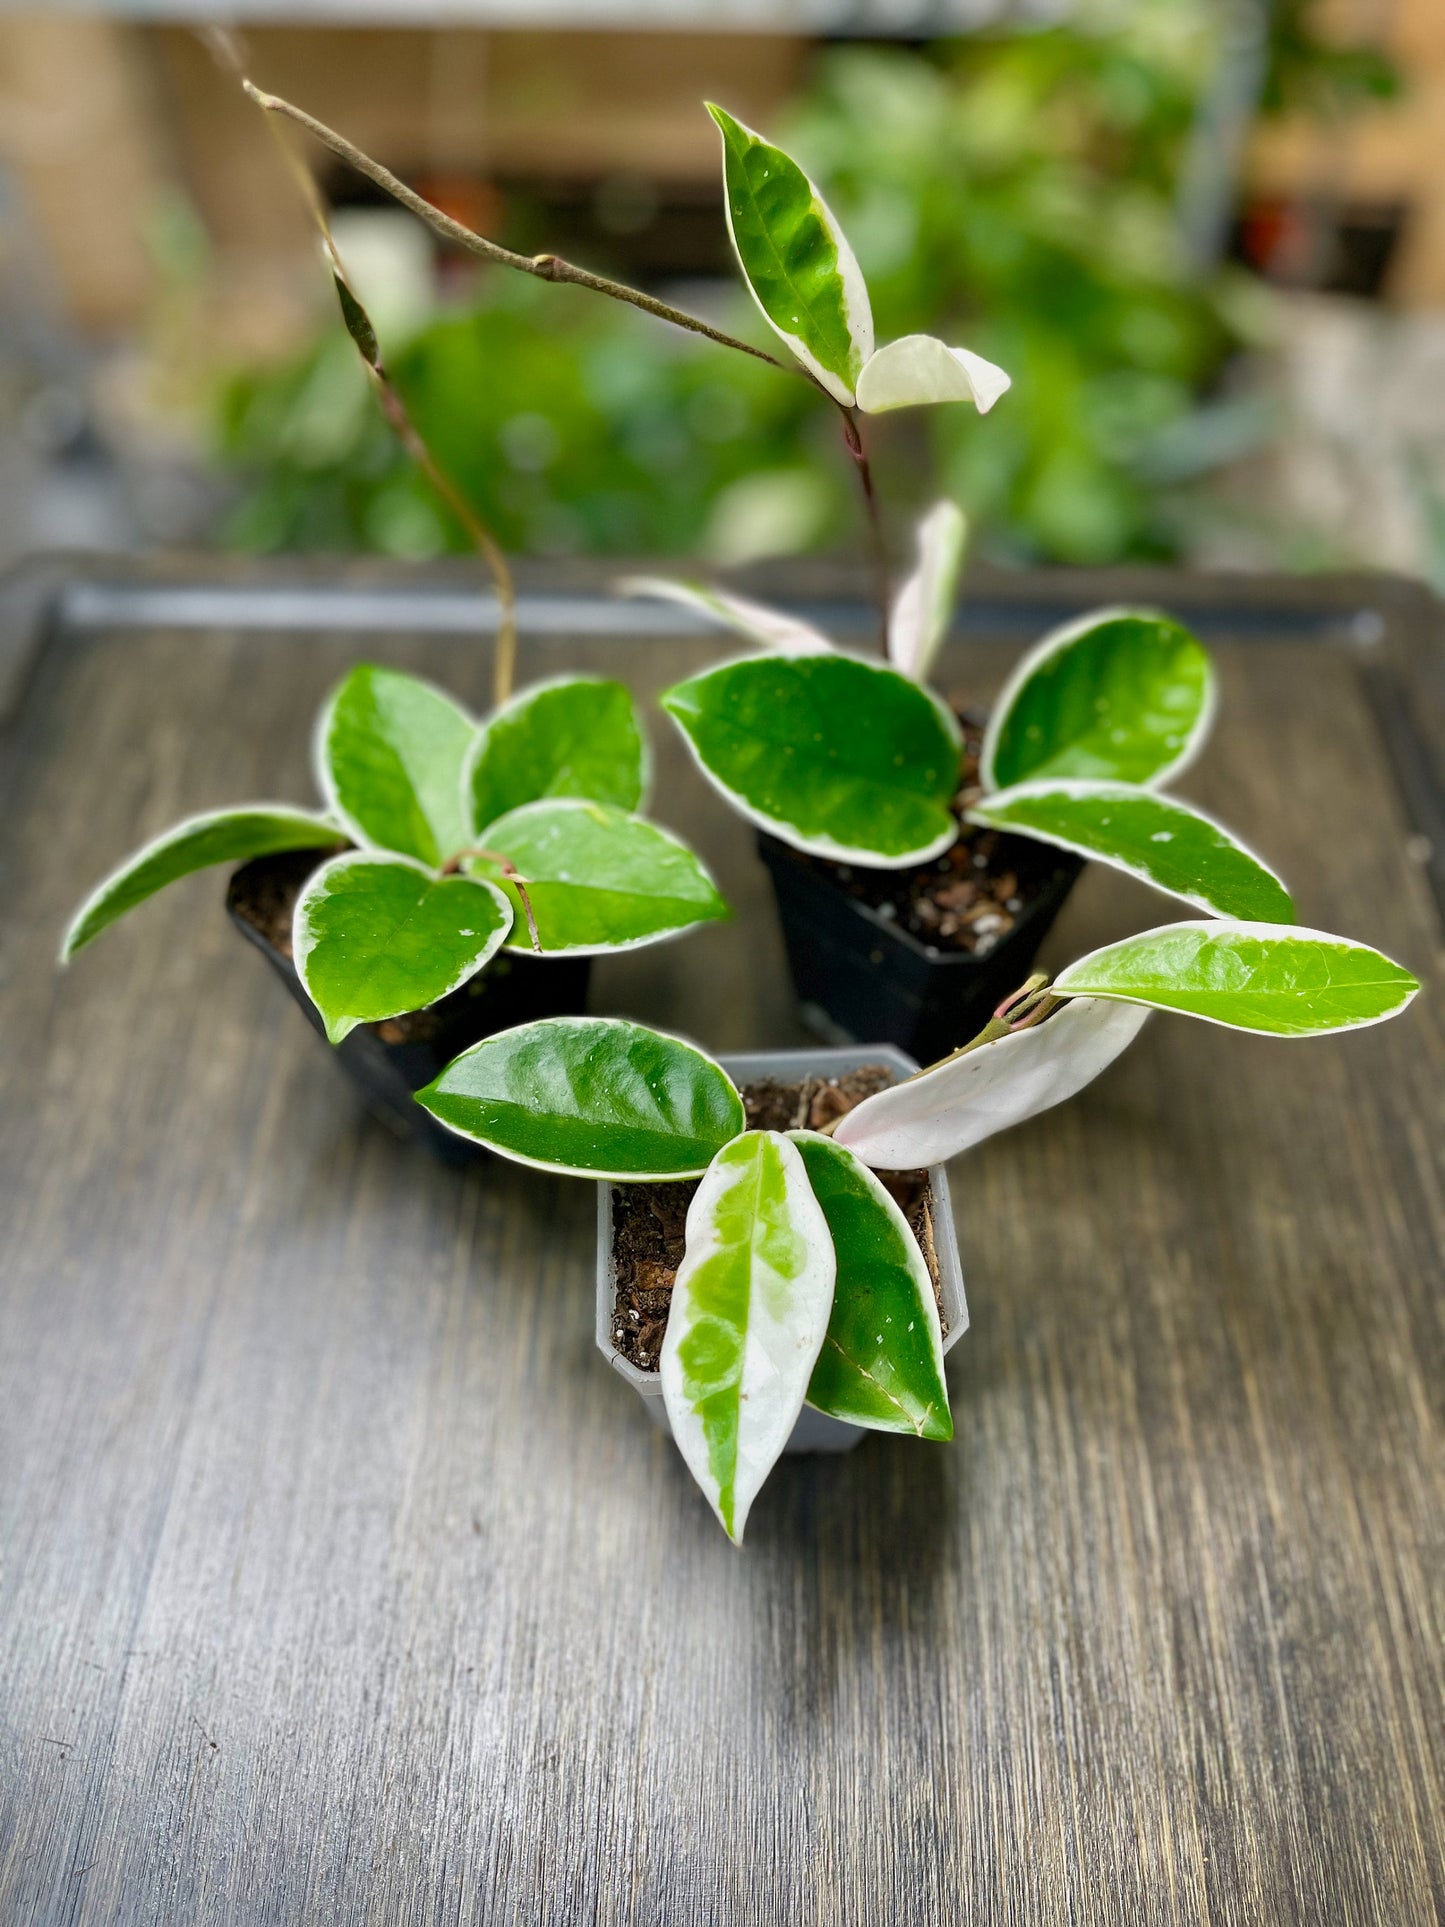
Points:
x=596 y=1097
x=597 y=879
x=798 y=267
x=844 y=758
x=1171 y=845
x=748 y=1316
x=1283 y=980
x=390 y=750
x=768 y=628
x=882 y=1359
x=1121 y=696
x=216 y=836
x=920 y=369
x=921 y=610
x=958 y=1103
x=576 y=736
x=375 y=935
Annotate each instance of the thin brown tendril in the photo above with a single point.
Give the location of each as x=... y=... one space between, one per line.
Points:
x=546 y=267
x=359 y=327
x=551 y=267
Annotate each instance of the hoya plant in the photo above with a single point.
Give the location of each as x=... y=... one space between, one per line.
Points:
x=450 y=839
x=801 y=1281
x=860 y=761
x=799 y=269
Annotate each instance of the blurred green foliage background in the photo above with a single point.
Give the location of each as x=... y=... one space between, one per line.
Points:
x=1016 y=194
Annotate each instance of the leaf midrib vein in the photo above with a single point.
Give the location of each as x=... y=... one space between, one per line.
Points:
x=802 y=300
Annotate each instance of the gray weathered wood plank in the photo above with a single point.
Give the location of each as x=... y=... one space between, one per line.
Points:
x=339 y=1581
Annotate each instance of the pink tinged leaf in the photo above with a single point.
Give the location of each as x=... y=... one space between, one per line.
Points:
x=963 y=1100
x=768 y=627
x=919 y=620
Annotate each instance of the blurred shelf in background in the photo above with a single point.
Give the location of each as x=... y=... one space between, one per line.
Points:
x=151 y=249
x=143 y=107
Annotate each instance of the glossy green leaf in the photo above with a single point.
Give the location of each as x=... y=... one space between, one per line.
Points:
x=881 y=1364
x=1287 y=982
x=768 y=628
x=594 y=1096
x=1169 y=844
x=218 y=836
x=958 y=1103
x=575 y=737
x=921 y=369
x=376 y=935
x=748 y=1315
x=798 y=267
x=919 y=618
x=389 y=753
x=844 y=758
x=1118 y=696
x=597 y=878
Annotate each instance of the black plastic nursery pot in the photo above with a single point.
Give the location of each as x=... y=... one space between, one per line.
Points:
x=389 y=1061
x=857 y=974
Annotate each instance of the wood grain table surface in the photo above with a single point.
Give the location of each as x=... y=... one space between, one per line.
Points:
x=340 y=1581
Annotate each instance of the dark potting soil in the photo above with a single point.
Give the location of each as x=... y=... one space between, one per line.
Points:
x=266 y=898
x=649 y=1221
x=970 y=897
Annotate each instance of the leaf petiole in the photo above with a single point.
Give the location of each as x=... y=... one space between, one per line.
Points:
x=1020 y=1010
x=853 y=439
x=1028 y=1005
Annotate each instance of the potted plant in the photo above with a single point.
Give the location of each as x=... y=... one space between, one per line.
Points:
x=789 y=1284
x=918 y=857
x=859 y=776
x=462 y=874
x=457 y=880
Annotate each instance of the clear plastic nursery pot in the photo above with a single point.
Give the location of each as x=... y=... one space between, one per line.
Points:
x=814 y=1431
x=856 y=973
x=389 y=1061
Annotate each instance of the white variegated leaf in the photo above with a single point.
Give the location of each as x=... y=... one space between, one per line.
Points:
x=921 y=368
x=921 y=610
x=749 y=1313
x=769 y=628
x=1280 y=979
x=960 y=1102
x=795 y=258
x=375 y=934
x=1158 y=839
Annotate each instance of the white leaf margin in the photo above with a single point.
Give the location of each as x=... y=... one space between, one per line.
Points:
x=321 y=763
x=957 y=1104
x=571 y=1170
x=857 y=308
x=823 y=845
x=783 y=634
x=1220 y=929
x=1053 y=644
x=522 y=946
x=177 y=832
x=778 y=1357
x=920 y=370
x=912 y=1254
x=1080 y=788
x=918 y=621
x=520 y=700
x=304 y=938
